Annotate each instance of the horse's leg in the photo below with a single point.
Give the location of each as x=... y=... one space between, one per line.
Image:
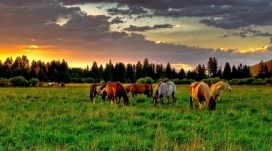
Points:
x=162 y=100
x=192 y=101
x=199 y=104
x=173 y=98
x=155 y=102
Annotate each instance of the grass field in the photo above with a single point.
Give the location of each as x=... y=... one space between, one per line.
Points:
x=64 y=119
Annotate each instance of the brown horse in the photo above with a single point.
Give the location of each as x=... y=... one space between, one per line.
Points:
x=62 y=84
x=2 y=84
x=114 y=90
x=10 y=84
x=40 y=84
x=200 y=91
x=98 y=89
x=128 y=87
x=141 y=88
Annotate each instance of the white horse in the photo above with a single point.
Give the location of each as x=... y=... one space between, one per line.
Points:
x=201 y=92
x=163 y=90
x=50 y=84
x=216 y=89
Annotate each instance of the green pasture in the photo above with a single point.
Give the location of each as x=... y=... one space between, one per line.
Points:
x=55 y=118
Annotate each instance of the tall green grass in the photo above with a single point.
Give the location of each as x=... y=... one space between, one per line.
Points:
x=64 y=119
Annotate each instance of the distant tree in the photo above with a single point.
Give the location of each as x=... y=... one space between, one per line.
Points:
x=227 y=71
x=130 y=71
x=261 y=69
x=108 y=72
x=181 y=75
x=160 y=71
x=120 y=72
x=95 y=73
x=234 y=72
x=139 y=70
x=168 y=71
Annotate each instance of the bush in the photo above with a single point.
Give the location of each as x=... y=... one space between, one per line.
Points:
x=34 y=82
x=19 y=81
x=102 y=82
x=146 y=80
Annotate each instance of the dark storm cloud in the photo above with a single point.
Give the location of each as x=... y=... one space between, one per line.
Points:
x=145 y=28
x=117 y=20
x=132 y=10
x=226 y=14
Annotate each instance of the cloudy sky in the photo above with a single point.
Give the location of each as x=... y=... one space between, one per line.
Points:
x=184 y=33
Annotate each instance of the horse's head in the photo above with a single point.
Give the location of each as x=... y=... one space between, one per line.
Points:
x=227 y=86
x=212 y=104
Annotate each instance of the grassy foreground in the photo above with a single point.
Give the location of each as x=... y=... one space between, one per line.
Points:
x=64 y=119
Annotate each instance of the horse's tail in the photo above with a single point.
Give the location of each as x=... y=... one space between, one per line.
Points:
x=151 y=90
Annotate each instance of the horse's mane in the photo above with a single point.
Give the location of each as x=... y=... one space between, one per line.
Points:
x=122 y=87
x=156 y=91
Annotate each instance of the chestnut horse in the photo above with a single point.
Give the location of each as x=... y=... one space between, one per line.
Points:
x=128 y=87
x=200 y=91
x=141 y=88
x=163 y=90
x=98 y=89
x=40 y=84
x=114 y=90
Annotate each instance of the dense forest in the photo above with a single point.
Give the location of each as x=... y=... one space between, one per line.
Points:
x=59 y=71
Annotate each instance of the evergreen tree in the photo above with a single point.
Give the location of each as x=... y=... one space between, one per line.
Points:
x=130 y=73
x=139 y=70
x=120 y=72
x=94 y=73
x=159 y=71
x=234 y=72
x=261 y=69
x=181 y=75
x=227 y=71
x=168 y=71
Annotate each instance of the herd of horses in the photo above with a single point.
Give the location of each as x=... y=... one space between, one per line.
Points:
x=204 y=93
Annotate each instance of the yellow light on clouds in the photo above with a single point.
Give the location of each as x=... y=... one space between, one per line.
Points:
x=33 y=46
x=251 y=50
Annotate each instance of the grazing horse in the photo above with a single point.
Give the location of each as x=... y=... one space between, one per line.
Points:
x=114 y=90
x=2 y=84
x=40 y=84
x=128 y=87
x=62 y=84
x=141 y=88
x=98 y=89
x=163 y=90
x=50 y=84
x=10 y=84
x=200 y=91
x=216 y=89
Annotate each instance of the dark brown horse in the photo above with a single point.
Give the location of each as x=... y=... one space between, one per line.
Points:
x=41 y=84
x=62 y=84
x=2 y=84
x=98 y=89
x=141 y=88
x=116 y=89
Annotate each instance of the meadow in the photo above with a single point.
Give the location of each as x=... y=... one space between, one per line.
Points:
x=44 y=118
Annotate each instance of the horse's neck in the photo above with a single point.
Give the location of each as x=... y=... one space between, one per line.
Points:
x=220 y=87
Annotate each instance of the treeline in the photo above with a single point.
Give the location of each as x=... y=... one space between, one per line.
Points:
x=59 y=71
x=262 y=69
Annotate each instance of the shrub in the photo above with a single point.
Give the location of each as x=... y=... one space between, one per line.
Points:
x=146 y=80
x=19 y=81
x=34 y=82
x=102 y=82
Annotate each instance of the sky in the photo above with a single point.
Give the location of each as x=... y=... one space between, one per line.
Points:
x=182 y=32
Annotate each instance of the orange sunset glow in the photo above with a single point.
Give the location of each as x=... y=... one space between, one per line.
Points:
x=81 y=33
